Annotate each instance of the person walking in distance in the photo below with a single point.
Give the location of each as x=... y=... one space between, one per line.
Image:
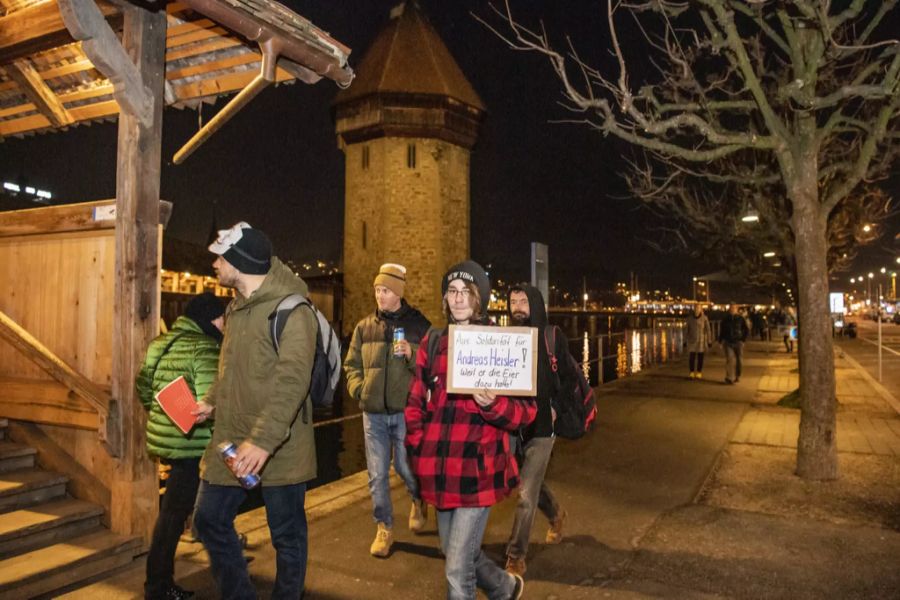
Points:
x=733 y=332
x=697 y=338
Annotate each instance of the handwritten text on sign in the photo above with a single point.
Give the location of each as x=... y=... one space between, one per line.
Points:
x=492 y=358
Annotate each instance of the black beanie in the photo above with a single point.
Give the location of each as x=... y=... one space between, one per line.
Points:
x=470 y=272
x=248 y=250
x=203 y=310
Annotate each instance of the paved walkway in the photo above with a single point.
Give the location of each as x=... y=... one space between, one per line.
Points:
x=648 y=500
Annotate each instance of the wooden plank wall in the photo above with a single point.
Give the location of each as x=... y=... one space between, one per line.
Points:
x=60 y=288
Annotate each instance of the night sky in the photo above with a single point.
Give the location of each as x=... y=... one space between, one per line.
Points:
x=277 y=165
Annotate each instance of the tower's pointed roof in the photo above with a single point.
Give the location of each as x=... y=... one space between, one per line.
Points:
x=409 y=57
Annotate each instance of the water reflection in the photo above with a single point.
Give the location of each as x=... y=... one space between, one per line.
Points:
x=636 y=345
x=586 y=356
x=621 y=360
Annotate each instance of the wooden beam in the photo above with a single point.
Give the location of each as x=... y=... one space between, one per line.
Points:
x=40 y=27
x=136 y=305
x=85 y=216
x=100 y=44
x=45 y=401
x=30 y=82
x=20 y=339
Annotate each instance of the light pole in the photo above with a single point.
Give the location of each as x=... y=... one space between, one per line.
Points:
x=694 y=289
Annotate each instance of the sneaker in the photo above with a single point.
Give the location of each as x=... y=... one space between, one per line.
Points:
x=519 y=589
x=699 y=375
x=693 y=375
x=178 y=593
x=418 y=516
x=728 y=381
x=515 y=566
x=554 y=534
x=384 y=539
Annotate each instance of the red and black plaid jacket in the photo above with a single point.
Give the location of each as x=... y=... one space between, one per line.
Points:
x=460 y=451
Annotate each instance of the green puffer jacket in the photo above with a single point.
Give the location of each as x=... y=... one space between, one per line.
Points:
x=192 y=354
x=260 y=394
x=375 y=377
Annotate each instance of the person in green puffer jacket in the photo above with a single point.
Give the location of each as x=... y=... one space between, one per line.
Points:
x=190 y=349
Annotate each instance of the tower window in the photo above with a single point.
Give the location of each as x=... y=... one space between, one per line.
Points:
x=411 y=156
x=365 y=157
x=364 y=236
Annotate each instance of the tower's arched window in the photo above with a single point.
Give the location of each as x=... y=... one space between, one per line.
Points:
x=365 y=157
x=411 y=156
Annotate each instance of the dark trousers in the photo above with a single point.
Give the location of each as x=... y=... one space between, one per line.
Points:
x=734 y=353
x=696 y=357
x=217 y=506
x=177 y=504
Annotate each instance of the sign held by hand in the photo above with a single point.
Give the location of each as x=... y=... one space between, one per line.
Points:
x=500 y=359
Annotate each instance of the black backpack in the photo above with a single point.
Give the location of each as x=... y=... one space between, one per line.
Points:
x=327 y=364
x=576 y=408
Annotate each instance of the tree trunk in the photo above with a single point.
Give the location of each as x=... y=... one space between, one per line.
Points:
x=817 y=444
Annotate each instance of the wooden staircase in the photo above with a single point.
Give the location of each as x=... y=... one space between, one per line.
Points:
x=49 y=540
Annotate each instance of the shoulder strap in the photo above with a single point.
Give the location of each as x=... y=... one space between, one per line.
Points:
x=434 y=340
x=550 y=343
x=278 y=318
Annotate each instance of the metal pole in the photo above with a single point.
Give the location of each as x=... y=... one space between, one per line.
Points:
x=600 y=358
x=879 y=333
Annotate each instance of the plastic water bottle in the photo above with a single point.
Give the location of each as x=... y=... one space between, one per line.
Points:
x=228 y=452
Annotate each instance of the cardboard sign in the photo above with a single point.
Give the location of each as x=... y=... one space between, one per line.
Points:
x=502 y=359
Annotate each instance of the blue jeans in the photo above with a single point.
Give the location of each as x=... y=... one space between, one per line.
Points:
x=467 y=566
x=533 y=494
x=383 y=432
x=217 y=506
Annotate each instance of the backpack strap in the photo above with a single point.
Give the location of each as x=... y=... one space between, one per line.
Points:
x=434 y=340
x=278 y=317
x=550 y=344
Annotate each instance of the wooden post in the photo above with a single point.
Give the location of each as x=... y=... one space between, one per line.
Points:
x=135 y=495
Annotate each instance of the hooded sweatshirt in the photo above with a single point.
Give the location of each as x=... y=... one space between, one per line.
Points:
x=549 y=384
x=259 y=393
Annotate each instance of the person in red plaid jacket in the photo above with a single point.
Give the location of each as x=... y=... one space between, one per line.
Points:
x=458 y=445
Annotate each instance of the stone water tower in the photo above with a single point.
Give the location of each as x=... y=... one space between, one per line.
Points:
x=406 y=125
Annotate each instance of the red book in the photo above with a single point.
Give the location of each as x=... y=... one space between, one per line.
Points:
x=177 y=402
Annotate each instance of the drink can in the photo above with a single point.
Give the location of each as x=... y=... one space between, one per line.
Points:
x=228 y=452
x=399 y=335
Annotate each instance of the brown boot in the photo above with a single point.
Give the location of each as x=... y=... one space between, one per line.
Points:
x=418 y=516
x=384 y=539
x=515 y=566
x=555 y=533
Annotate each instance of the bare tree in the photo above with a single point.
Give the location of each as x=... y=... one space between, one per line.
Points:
x=798 y=99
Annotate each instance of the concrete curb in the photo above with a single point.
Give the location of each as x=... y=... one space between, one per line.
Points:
x=886 y=395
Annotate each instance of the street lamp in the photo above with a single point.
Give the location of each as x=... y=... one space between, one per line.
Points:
x=768 y=254
x=751 y=216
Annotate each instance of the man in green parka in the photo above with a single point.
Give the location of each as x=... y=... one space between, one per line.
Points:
x=260 y=402
x=189 y=350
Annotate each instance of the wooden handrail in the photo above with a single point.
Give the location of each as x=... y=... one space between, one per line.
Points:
x=109 y=428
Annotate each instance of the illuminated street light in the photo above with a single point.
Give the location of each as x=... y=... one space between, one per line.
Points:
x=883 y=270
x=852 y=280
x=871 y=275
x=751 y=217
x=769 y=254
x=867 y=228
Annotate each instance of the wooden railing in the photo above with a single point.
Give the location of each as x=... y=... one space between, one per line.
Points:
x=110 y=427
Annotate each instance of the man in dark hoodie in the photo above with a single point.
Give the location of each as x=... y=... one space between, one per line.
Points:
x=378 y=370
x=526 y=309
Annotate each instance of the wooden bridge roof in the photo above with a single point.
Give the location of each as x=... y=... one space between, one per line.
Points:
x=47 y=82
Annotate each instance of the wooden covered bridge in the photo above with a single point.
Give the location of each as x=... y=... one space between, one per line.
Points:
x=79 y=284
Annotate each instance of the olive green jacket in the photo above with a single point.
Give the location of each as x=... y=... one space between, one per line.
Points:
x=376 y=378
x=262 y=396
